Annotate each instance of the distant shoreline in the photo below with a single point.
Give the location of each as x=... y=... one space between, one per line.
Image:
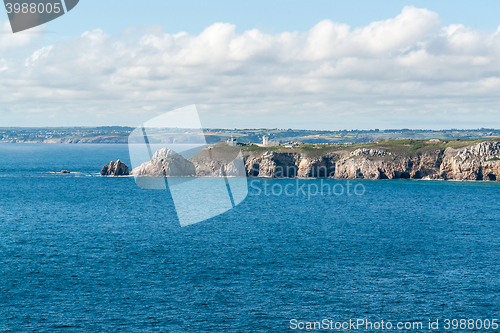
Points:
x=68 y=142
x=119 y=135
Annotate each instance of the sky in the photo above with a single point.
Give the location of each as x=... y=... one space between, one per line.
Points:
x=326 y=65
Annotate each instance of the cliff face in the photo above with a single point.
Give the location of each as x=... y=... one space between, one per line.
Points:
x=323 y=166
x=390 y=167
x=272 y=164
x=474 y=162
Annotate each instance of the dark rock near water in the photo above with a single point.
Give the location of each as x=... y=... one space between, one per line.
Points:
x=117 y=168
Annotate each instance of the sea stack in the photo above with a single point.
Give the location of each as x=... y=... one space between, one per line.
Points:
x=117 y=168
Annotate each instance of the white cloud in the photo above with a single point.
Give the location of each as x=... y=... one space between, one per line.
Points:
x=9 y=41
x=329 y=39
x=3 y=65
x=44 y=52
x=399 y=67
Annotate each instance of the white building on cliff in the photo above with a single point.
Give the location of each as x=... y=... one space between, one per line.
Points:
x=265 y=140
x=232 y=141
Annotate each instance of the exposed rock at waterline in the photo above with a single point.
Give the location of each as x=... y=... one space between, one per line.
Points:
x=117 y=168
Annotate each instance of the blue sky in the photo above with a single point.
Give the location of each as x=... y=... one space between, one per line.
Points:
x=299 y=64
x=276 y=16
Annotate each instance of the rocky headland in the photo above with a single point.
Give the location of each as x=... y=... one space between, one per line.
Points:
x=388 y=159
x=456 y=160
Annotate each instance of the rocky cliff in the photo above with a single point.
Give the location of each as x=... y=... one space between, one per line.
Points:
x=479 y=161
x=359 y=164
x=456 y=160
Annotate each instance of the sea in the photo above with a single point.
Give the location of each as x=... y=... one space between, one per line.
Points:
x=85 y=253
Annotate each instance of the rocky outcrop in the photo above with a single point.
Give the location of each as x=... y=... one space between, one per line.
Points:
x=476 y=162
x=396 y=167
x=273 y=164
x=165 y=163
x=323 y=166
x=117 y=168
x=369 y=152
x=427 y=165
x=359 y=168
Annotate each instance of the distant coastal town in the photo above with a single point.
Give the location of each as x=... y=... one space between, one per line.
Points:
x=275 y=136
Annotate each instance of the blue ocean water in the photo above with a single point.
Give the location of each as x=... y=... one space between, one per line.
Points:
x=84 y=253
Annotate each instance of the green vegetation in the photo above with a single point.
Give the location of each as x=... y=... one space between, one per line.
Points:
x=415 y=147
x=402 y=147
x=259 y=148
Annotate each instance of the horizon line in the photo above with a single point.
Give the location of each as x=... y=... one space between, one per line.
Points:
x=260 y=128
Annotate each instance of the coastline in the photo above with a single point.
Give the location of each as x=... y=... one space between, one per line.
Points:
x=403 y=159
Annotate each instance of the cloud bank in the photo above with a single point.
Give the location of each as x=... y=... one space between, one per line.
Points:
x=407 y=71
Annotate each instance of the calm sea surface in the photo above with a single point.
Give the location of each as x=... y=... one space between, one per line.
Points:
x=80 y=252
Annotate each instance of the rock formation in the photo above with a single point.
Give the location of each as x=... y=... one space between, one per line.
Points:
x=165 y=163
x=476 y=162
x=273 y=164
x=323 y=166
x=117 y=168
x=369 y=152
